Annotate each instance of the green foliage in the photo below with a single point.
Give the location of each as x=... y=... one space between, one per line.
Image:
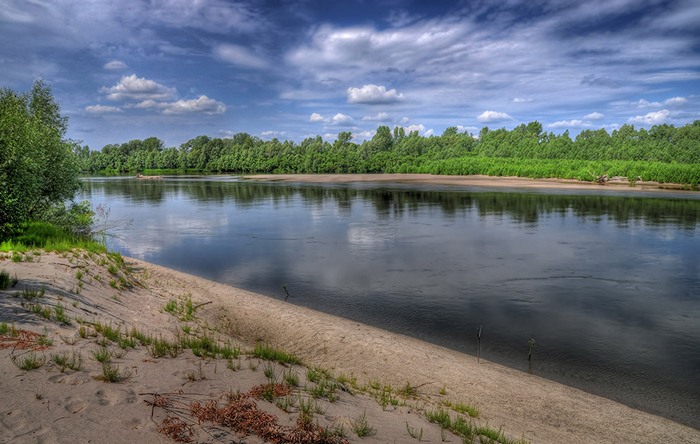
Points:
x=38 y=168
x=664 y=153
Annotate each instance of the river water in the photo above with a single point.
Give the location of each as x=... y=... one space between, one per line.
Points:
x=607 y=284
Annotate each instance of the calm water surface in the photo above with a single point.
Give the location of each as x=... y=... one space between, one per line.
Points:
x=608 y=285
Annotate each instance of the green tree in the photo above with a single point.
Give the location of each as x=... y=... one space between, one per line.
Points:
x=38 y=167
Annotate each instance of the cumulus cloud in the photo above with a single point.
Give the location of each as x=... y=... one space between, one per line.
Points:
x=138 y=88
x=410 y=128
x=379 y=117
x=202 y=104
x=316 y=117
x=102 y=109
x=593 y=116
x=272 y=133
x=373 y=94
x=115 y=65
x=342 y=119
x=575 y=123
x=493 y=116
x=149 y=103
x=239 y=55
x=653 y=118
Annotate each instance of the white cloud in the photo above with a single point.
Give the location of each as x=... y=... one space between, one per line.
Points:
x=641 y=103
x=239 y=55
x=138 y=88
x=220 y=16
x=373 y=94
x=676 y=101
x=342 y=119
x=653 y=118
x=271 y=134
x=379 y=117
x=493 y=116
x=364 y=135
x=429 y=133
x=410 y=128
x=202 y=104
x=149 y=103
x=522 y=100
x=569 y=124
x=404 y=120
x=593 y=116
x=316 y=117
x=102 y=109
x=115 y=65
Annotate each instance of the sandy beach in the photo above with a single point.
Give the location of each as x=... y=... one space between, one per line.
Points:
x=617 y=184
x=56 y=403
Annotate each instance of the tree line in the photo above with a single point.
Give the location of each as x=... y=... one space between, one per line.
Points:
x=664 y=153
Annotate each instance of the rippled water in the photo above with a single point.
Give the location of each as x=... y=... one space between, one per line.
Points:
x=608 y=285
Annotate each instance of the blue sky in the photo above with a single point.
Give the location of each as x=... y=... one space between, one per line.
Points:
x=176 y=69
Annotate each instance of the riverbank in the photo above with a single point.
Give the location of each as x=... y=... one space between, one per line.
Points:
x=617 y=184
x=55 y=403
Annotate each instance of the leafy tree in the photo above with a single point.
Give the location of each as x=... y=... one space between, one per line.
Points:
x=38 y=167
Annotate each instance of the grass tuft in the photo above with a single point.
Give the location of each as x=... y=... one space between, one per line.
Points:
x=270 y=353
x=361 y=426
x=29 y=361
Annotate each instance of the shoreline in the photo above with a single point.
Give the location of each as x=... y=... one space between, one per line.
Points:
x=523 y=405
x=474 y=181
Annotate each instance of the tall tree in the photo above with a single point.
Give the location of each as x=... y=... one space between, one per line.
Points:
x=38 y=167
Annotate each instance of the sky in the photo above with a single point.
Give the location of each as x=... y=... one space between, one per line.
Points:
x=178 y=69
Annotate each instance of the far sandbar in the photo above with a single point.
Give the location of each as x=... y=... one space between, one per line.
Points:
x=472 y=181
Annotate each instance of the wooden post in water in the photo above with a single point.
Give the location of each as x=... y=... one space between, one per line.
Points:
x=478 y=343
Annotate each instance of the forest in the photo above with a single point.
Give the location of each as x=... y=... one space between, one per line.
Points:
x=664 y=153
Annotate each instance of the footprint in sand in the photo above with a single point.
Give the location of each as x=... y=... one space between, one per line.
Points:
x=111 y=396
x=74 y=405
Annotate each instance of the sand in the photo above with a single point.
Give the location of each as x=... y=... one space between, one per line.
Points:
x=55 y=405
x=616 y=184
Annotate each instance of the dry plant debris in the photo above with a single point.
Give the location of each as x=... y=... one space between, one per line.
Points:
x=241 y=414
x=22 y=340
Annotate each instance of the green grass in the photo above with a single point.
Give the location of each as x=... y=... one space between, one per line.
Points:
x=7 y=281
x=466 y=409
x=112 y=374
x=5 y=328
x=182 y=308
x=108 y=331
x=291 y=378
x=160 y=347
x=29 y=361
x=43 y=235
x=361 y=426
x=60 y=315
x=270 y=353
x=32 y=293
x=102 y=355
x=64 y=361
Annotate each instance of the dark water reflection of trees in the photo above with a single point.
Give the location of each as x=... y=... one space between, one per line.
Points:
x=388 y=201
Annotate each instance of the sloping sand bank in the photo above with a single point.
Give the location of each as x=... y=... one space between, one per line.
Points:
x=50 y=405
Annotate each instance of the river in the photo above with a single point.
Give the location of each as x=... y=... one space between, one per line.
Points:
x=607 y=284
